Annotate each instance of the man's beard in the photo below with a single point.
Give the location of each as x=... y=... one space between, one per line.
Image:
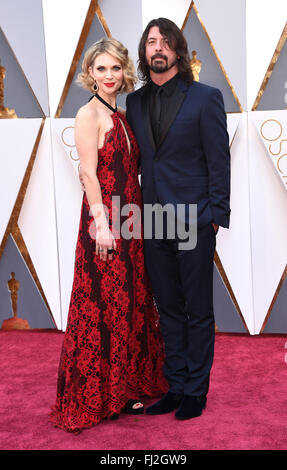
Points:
x=161 y=67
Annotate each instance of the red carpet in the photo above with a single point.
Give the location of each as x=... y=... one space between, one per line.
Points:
x=246 y=407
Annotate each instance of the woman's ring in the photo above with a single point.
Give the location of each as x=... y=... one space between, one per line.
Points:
x=110 y=251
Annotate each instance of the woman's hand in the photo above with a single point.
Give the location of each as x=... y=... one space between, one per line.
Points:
x=105 y=242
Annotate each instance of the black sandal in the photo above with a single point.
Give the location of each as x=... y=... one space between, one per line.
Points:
x=133 y=411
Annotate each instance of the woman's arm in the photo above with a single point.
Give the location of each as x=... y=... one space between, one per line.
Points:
x=86 y=140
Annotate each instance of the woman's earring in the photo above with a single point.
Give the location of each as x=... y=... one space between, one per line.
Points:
x=95 y=86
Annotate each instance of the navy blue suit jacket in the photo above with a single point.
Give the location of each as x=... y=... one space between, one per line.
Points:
x=192 y=163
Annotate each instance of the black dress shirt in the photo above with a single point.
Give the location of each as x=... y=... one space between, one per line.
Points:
x=163 y=93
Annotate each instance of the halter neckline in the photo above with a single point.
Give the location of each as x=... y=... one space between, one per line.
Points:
x=106 y=104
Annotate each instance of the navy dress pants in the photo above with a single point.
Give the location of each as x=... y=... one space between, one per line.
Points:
x=182 y=283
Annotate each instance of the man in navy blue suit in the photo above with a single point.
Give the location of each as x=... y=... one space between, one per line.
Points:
x=180 y=126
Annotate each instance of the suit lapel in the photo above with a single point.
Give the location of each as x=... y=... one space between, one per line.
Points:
x=177 y=99
x=146 y=117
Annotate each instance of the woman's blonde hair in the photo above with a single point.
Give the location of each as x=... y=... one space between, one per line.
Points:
x=117 y=50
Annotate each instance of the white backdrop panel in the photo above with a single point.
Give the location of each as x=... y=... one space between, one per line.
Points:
x=233 y=245
x=63 y=23
x=17 y=138
x=268 y=209
x=68 y=207
x=232 y=125
x=265 y=21
x=37 y=222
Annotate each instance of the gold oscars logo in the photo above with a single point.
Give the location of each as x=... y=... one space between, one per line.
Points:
x=14 y=323
x=70 y=133
x=5 y=113
x=271 y=131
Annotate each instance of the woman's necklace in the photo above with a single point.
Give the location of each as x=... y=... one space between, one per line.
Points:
x=106 y=104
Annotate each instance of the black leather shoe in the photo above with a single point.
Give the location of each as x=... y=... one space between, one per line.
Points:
x=168 y=403
x=190 y=407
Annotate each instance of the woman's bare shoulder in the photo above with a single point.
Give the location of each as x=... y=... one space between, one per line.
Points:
x=86 y=111
x=88 y=115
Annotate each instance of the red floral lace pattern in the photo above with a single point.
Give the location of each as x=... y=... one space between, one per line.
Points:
x=112 y=349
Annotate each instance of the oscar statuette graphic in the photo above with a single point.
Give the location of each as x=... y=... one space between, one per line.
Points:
x=5 y=113
x=195 y=65
x=14 y=323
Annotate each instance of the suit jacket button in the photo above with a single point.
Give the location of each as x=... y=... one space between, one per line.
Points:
x=156 y=158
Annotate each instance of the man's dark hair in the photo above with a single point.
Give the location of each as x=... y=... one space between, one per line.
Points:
x=176 y=42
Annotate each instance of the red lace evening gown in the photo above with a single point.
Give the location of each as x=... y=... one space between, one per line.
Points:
x=112 y=349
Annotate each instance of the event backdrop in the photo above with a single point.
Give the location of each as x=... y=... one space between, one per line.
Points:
x=238 y=46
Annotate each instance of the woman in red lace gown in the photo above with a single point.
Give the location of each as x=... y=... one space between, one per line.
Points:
x=112 y=352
